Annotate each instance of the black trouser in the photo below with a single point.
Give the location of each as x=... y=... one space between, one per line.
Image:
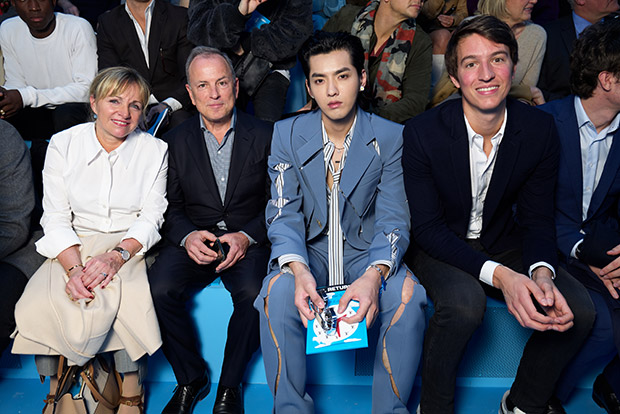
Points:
x=603 y=343
x=460 y=302
x=174 y=278
x=13 y=282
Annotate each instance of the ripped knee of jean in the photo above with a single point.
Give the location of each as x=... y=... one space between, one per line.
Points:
x=407 y=292
x=271 y=283
x=273 y=335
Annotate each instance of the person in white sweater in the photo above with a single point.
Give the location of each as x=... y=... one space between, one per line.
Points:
x=49 y=62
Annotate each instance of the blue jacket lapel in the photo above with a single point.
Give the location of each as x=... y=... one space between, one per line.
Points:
x=566 y=122
x=361 y=152
x=310 y=159
x=610 y=172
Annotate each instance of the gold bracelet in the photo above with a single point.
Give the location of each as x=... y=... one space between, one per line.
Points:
x=74 y=267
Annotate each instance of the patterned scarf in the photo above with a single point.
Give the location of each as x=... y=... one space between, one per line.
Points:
x=388 y=86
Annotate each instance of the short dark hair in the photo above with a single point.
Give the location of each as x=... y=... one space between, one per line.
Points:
x=324 y=42
x=596 y=50
x=489 y=27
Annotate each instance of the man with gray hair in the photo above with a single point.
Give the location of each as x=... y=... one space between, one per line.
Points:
x=214 y=227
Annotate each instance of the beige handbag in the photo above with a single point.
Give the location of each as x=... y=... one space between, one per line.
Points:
x=94 y=376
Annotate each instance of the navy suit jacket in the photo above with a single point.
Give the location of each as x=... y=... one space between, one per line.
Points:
x=604 y=204
x=555 y=71
x=373 y=207
x=118 y=45
x=193 y=198
x=519 y=205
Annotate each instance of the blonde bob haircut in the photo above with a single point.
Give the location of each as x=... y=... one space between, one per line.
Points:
x=496 y=8
x=114 y=81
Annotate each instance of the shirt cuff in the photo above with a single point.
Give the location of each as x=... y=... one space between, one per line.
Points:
x=152 y=100
x=486 y=273
x=285 y=259
x=27 y=93
x=385 y=263
x=252 y=241
x=182 y=244
x=55 y=242
x=538 y=264
x=173 y=104
x=145 y=233
x=573 y=251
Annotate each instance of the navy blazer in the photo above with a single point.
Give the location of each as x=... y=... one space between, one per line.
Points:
x=194 y=201
x=569 y=196
x=118 y=45
x=518 y=210
x=554 y=80
x=373 y=207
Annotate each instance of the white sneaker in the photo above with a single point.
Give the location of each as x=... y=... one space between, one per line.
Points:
x=504 y=410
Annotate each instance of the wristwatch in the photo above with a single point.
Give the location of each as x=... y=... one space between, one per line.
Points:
x=125 y=255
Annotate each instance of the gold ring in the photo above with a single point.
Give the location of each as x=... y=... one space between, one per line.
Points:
x=2 y=113
x=70 y=296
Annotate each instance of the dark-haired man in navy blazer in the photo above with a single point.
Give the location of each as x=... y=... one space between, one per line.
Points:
x=588 y=191
x=217 y=189
x=480 y=175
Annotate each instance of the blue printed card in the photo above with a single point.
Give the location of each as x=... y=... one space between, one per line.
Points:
x=327 y=332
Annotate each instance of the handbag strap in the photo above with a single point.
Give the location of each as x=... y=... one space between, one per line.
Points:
x=88 y=375
x=66 y=377
x=61 y=365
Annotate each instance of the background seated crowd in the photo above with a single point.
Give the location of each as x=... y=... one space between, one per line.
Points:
x=81 y=93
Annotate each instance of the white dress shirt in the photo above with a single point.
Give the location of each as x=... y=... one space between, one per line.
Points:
x=89 y=191
x=481 y=170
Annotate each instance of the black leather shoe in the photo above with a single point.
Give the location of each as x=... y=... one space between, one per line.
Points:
x=554 y=406
x=186 y=397
x=604 y=396
x=228 y=401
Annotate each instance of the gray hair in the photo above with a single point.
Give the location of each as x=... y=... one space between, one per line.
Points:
x=205 y=51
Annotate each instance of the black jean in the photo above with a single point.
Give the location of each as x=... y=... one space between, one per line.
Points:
x=460 y=302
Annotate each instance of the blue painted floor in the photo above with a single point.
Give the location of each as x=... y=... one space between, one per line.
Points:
x=25 y=396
